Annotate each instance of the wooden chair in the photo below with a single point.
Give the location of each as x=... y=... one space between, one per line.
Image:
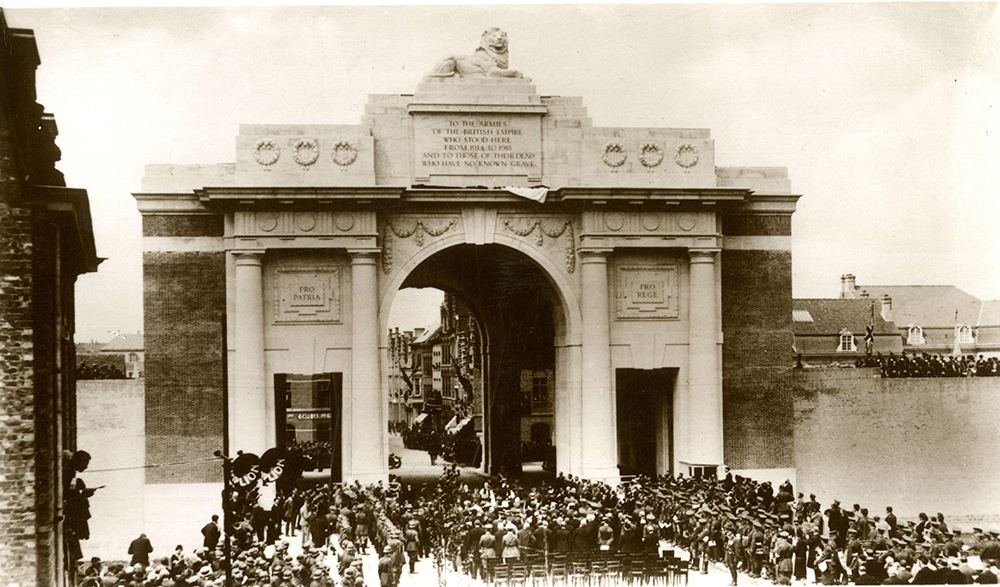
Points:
x=501 y=574
x=681 y=570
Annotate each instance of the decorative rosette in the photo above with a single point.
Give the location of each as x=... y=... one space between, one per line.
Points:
x=344 y=152
x=686 y=155
x=614 y=154
x=306 y=152
x=650 y=154
x=266 y=152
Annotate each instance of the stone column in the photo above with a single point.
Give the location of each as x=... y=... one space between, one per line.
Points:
x=704 y=384
x=366 y=421
x=600 y=442
x=248 y=423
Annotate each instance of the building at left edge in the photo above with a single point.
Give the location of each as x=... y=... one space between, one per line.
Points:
x=46 y=242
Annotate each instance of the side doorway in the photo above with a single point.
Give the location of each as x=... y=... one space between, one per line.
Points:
x=308 y=412
x=645 y=413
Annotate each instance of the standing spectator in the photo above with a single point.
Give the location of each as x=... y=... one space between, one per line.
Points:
x=140 y=548
x=412 y=540
x=385 y=567
x=211 y=533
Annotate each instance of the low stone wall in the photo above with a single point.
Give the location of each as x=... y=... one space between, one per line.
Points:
x=916 y=444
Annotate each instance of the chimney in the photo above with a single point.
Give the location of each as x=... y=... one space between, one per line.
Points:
x=887 y=308
x=864 y=295
x=847 y=287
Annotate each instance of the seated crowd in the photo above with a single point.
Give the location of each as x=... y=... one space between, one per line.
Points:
x=482 y=531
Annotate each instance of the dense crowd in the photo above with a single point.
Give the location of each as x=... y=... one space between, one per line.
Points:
x=88 y=371
x=310 y=455
x=749 y=527
x=928 y=365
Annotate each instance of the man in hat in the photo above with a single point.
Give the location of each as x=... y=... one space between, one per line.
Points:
x=412 y=540
x=783 y=558
x=756 y=548
x=385 y=570
x=732 y=552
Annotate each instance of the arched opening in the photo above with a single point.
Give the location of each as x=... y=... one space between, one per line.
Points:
x=517 y=313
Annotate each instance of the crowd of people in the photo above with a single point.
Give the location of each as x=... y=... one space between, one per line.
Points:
x=105 y=371
x=310 y=455
x=930 y=365
x=749 y=527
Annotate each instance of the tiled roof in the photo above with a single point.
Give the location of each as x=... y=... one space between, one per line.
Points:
x=431 y=331
x=130 y=342
x=830 y=316
x=990 y=314
x=927 y=306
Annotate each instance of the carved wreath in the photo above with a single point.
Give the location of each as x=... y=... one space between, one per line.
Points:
x=686 y=155
x=418 y=231
x=650 y=154
x=306 y=152
x=344 y=152
x=266 y=152
x=614 y=154
x=540 y=232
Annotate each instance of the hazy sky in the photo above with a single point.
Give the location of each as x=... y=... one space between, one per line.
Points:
x=886 y=115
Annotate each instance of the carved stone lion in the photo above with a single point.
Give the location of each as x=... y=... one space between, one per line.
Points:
x=489 y=60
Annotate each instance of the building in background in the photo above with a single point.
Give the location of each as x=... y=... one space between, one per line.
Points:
x=402 y=398
x=46 y=242
x=934 y=318
x=123 y=357
x=832 y=331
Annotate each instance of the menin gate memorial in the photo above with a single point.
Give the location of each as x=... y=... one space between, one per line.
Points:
x=655 y=284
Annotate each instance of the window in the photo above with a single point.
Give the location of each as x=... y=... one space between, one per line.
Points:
x=703 y=472
x=846 y=342
x=540 y=388
x=963 y=333
x=914 y=335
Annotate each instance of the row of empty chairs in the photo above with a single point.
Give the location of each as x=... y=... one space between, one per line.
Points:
x=590 y=570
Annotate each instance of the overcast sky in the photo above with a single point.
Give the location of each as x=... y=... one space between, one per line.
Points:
x=886 y=115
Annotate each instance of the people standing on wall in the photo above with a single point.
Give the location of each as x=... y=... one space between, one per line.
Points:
x=77 y=503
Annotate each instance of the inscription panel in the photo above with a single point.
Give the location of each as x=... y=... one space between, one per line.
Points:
x=307 y=294
x=646 y=292
x=463 y=143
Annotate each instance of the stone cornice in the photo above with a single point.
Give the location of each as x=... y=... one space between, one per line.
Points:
x=626 y=194
x=215 y=199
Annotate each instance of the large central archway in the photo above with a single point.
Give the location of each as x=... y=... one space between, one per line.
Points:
x=520 y=311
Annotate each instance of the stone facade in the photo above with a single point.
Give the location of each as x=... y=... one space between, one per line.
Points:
x=46 y=241
x=638 y=254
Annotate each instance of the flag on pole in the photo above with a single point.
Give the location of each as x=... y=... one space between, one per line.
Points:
x=870 y=333
x=956 y=350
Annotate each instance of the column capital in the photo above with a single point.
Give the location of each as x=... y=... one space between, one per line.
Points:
x=703 y=255
x=248 y=257
x=362 y=255
x=591 y=255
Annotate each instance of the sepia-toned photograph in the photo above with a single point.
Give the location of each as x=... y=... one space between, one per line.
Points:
x=519 y=295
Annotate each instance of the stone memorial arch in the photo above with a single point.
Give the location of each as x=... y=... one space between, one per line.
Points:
x=667 y=279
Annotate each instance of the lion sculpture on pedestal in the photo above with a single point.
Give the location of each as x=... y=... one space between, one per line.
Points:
x=489 y=60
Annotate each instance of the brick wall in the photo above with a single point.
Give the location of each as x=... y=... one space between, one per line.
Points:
x=749 y=225
x=917 y=444
x=182 y=225
x=757 y=331
x=184 y=298
x=17 y=453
